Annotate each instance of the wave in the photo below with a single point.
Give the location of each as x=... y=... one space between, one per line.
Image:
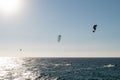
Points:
x=47 y=78
x=109 y=65
x=56 y=65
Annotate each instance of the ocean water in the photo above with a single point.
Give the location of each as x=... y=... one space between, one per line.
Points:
x=59 y=68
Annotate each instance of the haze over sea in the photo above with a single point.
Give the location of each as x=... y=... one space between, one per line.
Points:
x=59 y=68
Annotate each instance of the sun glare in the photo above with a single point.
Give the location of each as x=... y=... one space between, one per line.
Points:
x=10 y=6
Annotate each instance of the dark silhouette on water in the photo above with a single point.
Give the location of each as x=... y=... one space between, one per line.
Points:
x=94 y=28
x=59 y=38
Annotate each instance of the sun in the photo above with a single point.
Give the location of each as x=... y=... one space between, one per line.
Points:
x=10 y=6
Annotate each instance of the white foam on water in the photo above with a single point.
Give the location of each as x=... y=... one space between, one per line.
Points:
x=57 y=65
x=109 y=65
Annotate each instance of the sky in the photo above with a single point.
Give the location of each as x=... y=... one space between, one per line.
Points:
x=34 y=25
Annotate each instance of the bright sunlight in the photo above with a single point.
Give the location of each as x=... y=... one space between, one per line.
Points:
x=10 y=6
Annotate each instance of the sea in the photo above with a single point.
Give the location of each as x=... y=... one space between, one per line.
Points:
x=37 y=68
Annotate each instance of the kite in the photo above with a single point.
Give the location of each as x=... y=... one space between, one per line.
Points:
x=59 y=38
x=94 y=28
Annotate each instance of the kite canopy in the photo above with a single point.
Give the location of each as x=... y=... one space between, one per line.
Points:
x=59 y=38
x=20 y=49
x=94 y=28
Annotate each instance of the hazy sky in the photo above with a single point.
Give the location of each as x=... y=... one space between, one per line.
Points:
x=34 y=26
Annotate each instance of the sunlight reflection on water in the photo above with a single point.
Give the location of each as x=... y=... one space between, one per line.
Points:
x=9 y=63
x=18 y=69
x=12 y=69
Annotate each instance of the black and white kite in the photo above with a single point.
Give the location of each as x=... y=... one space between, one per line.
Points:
x=94 y=28
x=59 y=38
